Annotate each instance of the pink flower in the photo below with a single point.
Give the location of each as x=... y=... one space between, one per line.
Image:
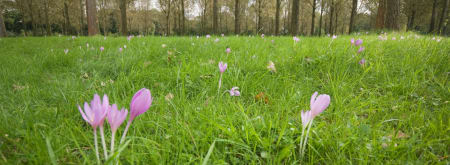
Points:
x=228 y=50
x=120 y=49
x=95 y=113
x=222 y=66
x=234 y=91
x=140 y=103
x=66 y=51
x=271 y=67
x=222 y=35
x=273 y=41
x=296 y=39
x=393 y=38
x=87 y=45
x=317 y=105
x=358 y=42
x=73 y=37
x=102 y=48
x=362 y=62
x=352 y=41
x=334 y=37
x=262 y=35
x=217 y=40
x=208 y=36
x=116 y=117
x=361 y=49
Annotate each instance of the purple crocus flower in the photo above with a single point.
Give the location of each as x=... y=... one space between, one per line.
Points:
x=262 y=35
x=352 y=41
x=208 y=36
x=362 y=62
x=228 y=50
x=334 y=37
x=115 y=119
x=361 y=49
x=222 y=66
x=234 y=91
x=358 y=42
x=296 y=39
x=95 y=113
x=102 y=48
x=140 y=103
x=317 y=104
x=222 y=35
x=120 y=49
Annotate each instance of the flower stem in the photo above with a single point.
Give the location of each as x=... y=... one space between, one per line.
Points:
x=306 y=138
x=112 y=142
x=96 y=146
x=102 y=135
x=220 y=83
x=125 y=132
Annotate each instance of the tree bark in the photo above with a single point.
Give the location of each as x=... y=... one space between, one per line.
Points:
x=215 y=17
x=277 y=17
x=411 y=20
x=81 y=17
x=320 y=19
x=237 y=25
x=336 y=19
x=91 y=9
x=2 y=23
x=392 y=14
x=330 y=25
x=259 y=24
x=168 y=17
x=66 y=18
x=381 y=14
x=313 y=17
x=123 y=17
x=183 y=18
x=294 y=17
x=443 y=17
x=433 y=17
x=352 y=16
x=33 y=25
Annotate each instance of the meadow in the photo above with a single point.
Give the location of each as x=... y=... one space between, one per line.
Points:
x=393 y=109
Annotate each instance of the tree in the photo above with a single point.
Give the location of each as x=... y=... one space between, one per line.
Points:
x=381 y=14
x=2 y=22
x=294 y=16
x=183 y=17
x=215 y=17
x=330 y=25
x=443 y=16
x=81 y=18
x=313 y=16
x=277 y=17
x=322 y=7
x=91 y=10
x=67 y=26
x=237 y=25
x=352 y=16
x=123 y=17
x=392 y=14
x=433 y=17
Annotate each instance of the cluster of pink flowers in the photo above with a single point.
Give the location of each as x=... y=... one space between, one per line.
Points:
x=98 y=110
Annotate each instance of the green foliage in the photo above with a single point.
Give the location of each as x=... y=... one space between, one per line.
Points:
x=392 y=111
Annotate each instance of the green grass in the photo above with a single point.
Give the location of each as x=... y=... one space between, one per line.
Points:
x=393 y=111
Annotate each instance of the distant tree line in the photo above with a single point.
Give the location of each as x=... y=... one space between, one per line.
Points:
x=199 y=17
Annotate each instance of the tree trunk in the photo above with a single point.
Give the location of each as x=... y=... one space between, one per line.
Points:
x=33 y=25
x=2 y=23
x=277 y=17
x=392 y=14
x=443 y=19
x=443 y=16
x=320 y=19
x=237 y=26
x=411 y=20
x=352 y=16
x=168 y=17
x=259 y=24
x=336 y=20
x=294 y=17
x=433 y=17
x=330 y=25
x=313 y=17
x=67 y=19
x=381 y=14
x=104 y=17
x=81 y=17
x=91 y=9
x=123 y=17
x=183 y=18
x=215 y=17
